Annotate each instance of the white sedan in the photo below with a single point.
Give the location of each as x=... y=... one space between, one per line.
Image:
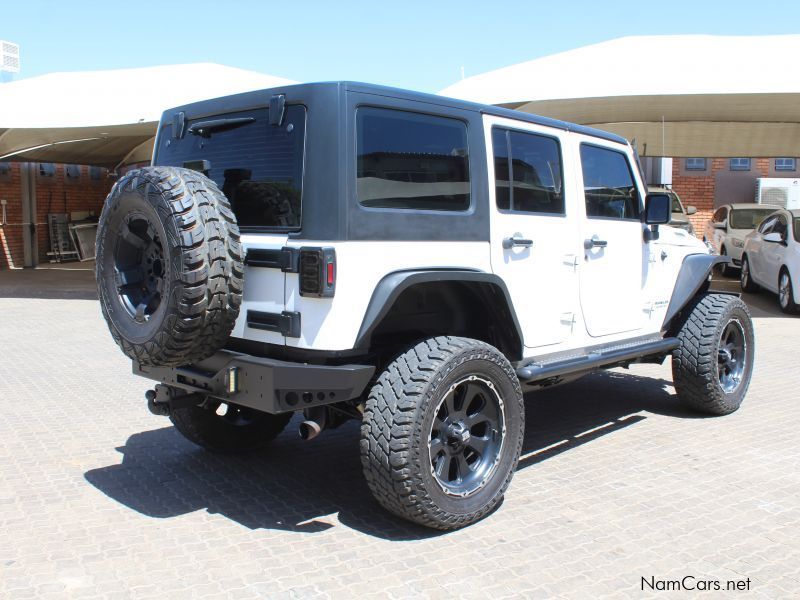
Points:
x=729 y=225
x=771 y=258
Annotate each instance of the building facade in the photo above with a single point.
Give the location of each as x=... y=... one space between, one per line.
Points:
x=708 y=183
x=29 y=192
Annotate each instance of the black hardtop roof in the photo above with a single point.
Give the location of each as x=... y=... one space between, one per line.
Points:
x=257 y=97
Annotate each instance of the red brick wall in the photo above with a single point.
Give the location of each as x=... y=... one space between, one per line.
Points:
x=55 y=194
x=699 y=189
x=11 y=230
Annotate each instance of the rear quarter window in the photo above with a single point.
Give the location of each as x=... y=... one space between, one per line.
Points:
x=408 y=160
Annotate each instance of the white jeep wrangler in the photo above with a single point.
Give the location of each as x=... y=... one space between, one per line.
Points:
x=415 y=262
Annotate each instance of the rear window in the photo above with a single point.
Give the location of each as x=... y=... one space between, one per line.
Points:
x=748 y=218
x=409 y=160
x=258 y=166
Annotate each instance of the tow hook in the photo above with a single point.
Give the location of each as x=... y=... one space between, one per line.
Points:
x=160 y=409
x=163 y=398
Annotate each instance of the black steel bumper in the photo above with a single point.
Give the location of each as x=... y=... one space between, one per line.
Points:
x=266 y=384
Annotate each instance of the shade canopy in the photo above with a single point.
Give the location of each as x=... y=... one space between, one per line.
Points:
x=687 y=95
x=107 y=118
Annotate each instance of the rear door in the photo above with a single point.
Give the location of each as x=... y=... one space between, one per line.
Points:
x=259 y=167
x=613 y=260
x=533 y=227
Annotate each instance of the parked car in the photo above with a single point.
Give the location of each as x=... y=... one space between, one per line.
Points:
x=771 y=258
x=415 y=263
x=729 y=225
x=680 y=213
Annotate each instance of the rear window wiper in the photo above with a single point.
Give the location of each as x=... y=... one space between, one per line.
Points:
x=205 y=128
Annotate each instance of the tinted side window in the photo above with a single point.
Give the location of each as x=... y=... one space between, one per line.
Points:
x=720 y=215
x=608 y=184
x=409 y=160
x=532 y=165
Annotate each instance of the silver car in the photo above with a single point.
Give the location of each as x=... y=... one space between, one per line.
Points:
x=729 y=225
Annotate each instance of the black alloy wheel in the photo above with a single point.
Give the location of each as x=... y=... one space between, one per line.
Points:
x=139 y=267
x=731 y=356
x=466 y=437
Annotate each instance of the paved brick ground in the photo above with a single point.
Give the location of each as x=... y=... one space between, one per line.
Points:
x=99 y=499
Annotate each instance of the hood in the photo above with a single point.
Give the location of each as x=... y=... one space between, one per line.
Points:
x=672 y=236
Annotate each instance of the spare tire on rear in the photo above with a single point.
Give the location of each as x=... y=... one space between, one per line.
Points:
x=169 y=266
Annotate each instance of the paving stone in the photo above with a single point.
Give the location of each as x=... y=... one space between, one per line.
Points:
x=101 y=499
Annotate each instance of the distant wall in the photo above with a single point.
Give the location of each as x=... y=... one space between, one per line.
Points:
x=718 y=184
x=56 y=194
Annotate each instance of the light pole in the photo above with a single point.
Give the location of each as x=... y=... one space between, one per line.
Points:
x=9 y=60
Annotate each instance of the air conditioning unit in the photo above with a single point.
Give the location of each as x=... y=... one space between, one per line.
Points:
x=778 y=191
x=9 y=57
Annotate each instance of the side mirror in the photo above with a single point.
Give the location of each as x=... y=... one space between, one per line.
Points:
x=774 y=238
x=722 y=225
x=690 y=210
x=657 y=209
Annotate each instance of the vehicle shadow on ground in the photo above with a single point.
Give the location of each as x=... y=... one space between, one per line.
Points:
x=296 y=485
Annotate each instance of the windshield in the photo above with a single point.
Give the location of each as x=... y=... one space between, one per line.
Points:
x=747 y=218
x=259 y=167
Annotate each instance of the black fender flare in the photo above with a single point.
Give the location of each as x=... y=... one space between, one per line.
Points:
x=694 y=274
x=392 y=285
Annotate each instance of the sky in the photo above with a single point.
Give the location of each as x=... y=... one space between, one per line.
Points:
x=419 y=45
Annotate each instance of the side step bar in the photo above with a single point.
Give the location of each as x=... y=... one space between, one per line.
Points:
x=594 y=360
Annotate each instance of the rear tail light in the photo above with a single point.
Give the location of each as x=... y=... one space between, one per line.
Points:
x=317 y=272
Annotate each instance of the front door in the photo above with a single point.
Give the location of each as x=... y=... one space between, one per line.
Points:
x=533 y=228
x=613 y=258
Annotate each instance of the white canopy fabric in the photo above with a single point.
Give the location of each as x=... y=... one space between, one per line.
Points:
x=677 y=95
x=107 y=118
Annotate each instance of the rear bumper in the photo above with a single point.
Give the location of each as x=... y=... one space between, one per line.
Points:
x=265 y=384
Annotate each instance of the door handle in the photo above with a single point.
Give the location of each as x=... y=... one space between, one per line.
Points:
x=511 y=242
x=594 y=242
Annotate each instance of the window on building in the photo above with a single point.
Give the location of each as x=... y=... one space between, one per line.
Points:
x=739 y=164
x=95 y=173
x=695 y=164
x=785 y=164
x=47 y=170
x=72 y=172
x=408 y=160
x=528 y=172
x=5 y=170
x=608 y=184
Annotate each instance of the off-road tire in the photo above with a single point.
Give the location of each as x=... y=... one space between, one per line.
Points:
x=695 y=363
x=250 y=430
x=398 y=416
x=746 y=277
x=790 y=307
x=201 y=285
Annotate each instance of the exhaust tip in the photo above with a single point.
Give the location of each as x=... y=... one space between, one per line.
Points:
x=308 y=430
